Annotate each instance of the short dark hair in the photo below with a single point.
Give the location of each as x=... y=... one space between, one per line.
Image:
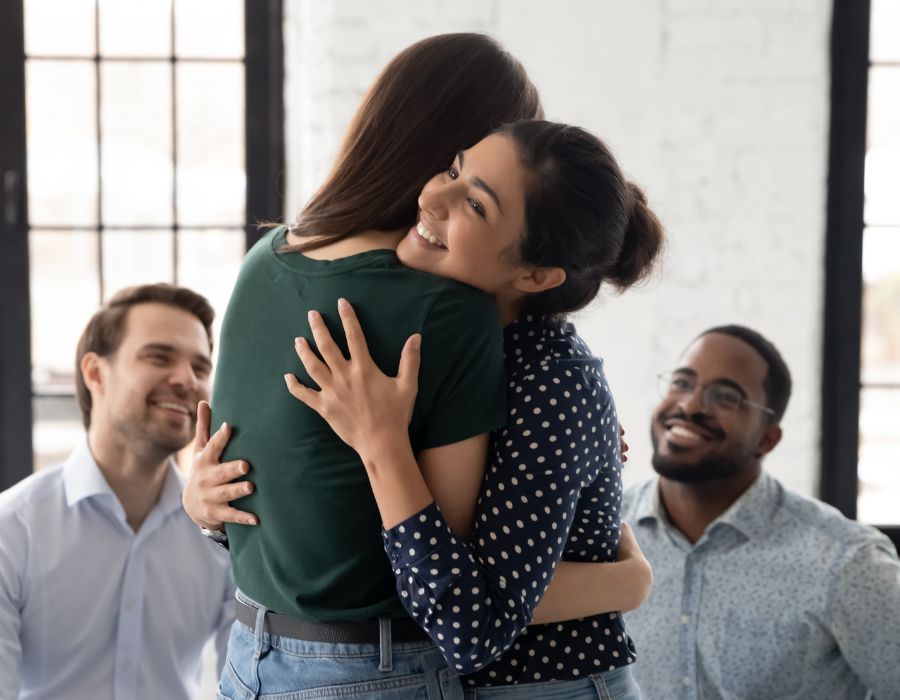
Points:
x=106 y=329
x=581 y=215
x=777 y=383
x=441 y=95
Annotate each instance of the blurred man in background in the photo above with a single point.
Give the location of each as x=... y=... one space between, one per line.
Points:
x=107 y=589
x=758 y=592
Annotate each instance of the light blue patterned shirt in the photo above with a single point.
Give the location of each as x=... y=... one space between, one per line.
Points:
x=91 y=609
x=782 y=598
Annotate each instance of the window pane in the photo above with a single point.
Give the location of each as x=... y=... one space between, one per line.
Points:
x=209 y=28
x=135 y=257
x=879 y=457
x=881 y=306
x=211 y=178
x=883 y=154
x=57 y=428
x=65 y=292
x=62 y=153
x=59 y=28
x=136 y=28
x=208 y=263
x=137 y=143
x=884 y=41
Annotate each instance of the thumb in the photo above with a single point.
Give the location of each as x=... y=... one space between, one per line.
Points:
x=408 y=373
x=204 y=414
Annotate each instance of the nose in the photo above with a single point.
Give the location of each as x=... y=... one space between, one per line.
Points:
x=184 y=376
x=433 y=200
x=691 y=402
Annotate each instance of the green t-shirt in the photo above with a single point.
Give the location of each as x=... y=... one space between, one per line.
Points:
x=317 y=553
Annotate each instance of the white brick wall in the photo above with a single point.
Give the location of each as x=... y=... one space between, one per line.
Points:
x=718 y=107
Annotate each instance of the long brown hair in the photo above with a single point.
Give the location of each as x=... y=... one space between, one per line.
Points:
x=436 y=97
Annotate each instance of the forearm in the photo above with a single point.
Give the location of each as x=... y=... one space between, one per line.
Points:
x=395 y=478
x=582 y=589
x=437 y=573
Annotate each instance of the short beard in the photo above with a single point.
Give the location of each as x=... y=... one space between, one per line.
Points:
x=704 y=470
x=142 y=439
x=707 y=469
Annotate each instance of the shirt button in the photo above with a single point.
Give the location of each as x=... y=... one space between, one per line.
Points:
x=685 y=619
x=687 y=680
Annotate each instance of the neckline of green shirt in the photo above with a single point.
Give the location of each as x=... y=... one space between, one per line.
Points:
x=299 y=262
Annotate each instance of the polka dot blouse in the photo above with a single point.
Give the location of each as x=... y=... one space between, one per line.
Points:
x=552 y=491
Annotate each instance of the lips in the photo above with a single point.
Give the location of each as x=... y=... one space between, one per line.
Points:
x=176 y=407
x=426 y=233
x=682 y=432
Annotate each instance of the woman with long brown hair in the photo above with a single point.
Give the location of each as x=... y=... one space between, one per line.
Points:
x=318 y=610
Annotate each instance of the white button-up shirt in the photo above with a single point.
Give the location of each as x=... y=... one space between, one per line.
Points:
x=91 y=609
x=782 y=597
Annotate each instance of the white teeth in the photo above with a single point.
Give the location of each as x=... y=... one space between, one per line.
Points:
x=428 y=236
x=683 y=432
x=173 y=406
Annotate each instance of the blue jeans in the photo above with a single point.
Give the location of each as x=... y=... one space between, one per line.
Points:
x=612 y=685
x=265 y=666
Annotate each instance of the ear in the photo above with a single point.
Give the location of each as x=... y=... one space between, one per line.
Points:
x=770 y=438
x=92 y=371
x=540 y=279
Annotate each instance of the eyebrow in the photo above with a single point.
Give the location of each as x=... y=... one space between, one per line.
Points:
x=479 y=183
x=723 y=381
x=172 y=350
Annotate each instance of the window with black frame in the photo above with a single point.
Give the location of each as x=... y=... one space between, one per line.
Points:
x=139 y=147
x=879 y=419
x=861 y=368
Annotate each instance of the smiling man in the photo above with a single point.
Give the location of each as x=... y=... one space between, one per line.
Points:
x=758 y=592
x=107 y=590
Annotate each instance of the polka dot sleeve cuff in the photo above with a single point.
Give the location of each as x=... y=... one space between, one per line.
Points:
x=471 y=614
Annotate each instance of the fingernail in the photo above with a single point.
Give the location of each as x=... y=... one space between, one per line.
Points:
x=247 y=488
x=416 y=342
x=225 y=426
x=287 y=380
x=342 y=304
x=298 y=341
x=242 y=468
x=312 y=315
x=251 y=521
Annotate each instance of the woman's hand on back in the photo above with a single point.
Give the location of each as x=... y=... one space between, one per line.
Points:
x=209 y=488
x=366 y=408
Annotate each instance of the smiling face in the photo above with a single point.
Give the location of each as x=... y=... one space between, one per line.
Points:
x=145 y=395
x=471 y=220
x=695 y=443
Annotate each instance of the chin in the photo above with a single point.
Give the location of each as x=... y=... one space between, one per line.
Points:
x=698 y=471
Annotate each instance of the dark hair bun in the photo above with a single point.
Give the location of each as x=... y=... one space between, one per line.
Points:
x=644 y=237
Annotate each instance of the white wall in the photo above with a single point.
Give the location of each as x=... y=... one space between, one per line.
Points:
x=719 y=108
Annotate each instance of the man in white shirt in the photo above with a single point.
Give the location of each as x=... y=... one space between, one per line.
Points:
x=107 y=589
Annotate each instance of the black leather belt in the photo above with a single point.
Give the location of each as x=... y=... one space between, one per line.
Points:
x=347 y=632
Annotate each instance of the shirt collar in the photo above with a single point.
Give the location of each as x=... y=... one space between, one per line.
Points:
x=83 y=479
x=749 y=514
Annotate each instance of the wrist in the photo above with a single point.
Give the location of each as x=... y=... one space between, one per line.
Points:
x=386 y=450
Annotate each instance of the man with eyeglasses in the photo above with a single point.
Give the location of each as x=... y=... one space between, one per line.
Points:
x=758 y=592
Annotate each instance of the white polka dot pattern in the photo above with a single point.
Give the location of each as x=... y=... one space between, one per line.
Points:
x=552 y=490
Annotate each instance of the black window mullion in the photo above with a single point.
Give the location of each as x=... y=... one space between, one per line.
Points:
x=843 y=255
x=15 y=327
x=264 y=113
